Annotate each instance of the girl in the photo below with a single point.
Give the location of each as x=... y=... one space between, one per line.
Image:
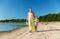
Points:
x=36 y=22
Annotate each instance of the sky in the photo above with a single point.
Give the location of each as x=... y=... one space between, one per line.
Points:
x=18 y=9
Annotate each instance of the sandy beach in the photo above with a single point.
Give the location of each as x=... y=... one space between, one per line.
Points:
x=50 y=30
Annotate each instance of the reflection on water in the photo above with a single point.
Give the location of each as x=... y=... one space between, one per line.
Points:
x=10 y=26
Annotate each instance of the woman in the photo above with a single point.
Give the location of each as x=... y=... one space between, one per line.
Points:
x=31 y=20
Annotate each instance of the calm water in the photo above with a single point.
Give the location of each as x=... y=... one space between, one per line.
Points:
x=10 y=26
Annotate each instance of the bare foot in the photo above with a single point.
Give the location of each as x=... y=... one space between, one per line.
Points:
x=30 y=31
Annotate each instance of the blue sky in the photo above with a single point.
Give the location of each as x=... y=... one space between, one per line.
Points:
x=18 y=9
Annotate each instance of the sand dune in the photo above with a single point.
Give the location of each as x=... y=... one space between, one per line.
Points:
x=50 y=30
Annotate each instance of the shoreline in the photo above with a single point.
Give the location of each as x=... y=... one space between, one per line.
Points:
x=49 y=31
x=13 y=33
x=14 y=29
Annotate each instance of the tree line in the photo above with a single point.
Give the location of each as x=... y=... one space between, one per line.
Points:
x=45 y=18
x=14 y=20
x=50 y=17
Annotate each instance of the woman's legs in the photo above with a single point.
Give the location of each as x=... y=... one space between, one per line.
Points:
x=29 y=26
x=30 y=29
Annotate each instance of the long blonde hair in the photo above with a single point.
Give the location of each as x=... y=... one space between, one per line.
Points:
x=30 y=10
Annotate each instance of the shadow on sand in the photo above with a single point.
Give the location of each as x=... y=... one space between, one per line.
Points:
x=49 y=30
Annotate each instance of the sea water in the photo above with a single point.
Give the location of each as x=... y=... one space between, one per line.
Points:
x=10 y=26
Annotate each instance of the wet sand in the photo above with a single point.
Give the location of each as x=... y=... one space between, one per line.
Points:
x=50 y=30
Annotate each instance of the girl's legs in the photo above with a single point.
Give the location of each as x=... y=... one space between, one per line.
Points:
x=35 y=28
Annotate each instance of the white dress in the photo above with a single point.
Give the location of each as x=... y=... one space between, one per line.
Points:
x=30 y=21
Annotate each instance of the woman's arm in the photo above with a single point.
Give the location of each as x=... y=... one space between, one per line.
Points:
x=27 y=18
